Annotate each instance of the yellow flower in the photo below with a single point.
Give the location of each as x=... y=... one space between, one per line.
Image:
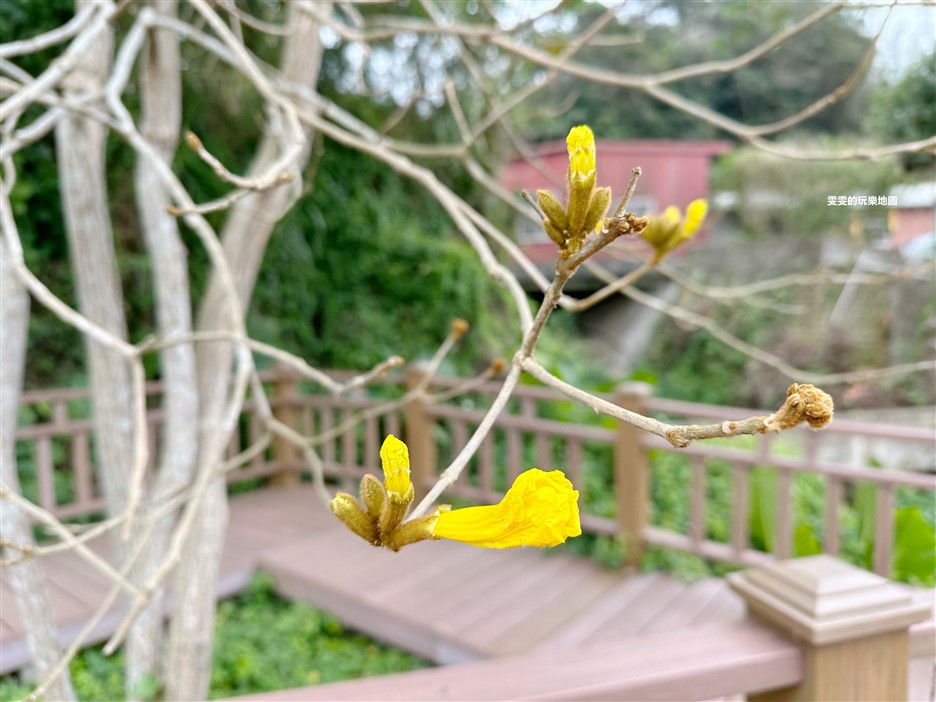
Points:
x=540 y=509
x=394 y=456
x=581 y=145
x=670 y=229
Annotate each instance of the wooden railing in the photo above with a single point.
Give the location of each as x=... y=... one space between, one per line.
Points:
x=540 y=428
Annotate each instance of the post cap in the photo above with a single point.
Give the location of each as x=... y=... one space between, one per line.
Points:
x=823 y=600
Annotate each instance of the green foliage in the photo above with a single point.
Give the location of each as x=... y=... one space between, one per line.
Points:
x=904 y=111
x=914 y=548
x=367 y=266
x=696 y=367
x=778 y=195
x=763 y=515
x=672 y=34
x=262 y=643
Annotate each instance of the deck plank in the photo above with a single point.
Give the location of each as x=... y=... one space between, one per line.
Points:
x=682 y=610
x=626 y=594
x=539 y=624
x=698 y=664
x=631 y=620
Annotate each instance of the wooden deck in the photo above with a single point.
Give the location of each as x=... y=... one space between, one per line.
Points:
x=443 y=600
x=446 y=601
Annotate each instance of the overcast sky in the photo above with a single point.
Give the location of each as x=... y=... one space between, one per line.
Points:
x=909 y=35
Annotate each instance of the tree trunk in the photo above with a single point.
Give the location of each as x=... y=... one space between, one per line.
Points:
x=81 y=167
x=26 y=578
x=245 y=237
x=160 y=118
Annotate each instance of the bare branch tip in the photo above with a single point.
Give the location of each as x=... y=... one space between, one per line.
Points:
x=460 y=327
x=193 y=142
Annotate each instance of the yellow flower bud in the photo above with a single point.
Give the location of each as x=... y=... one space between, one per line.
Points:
x=394 y=456
x=695 y=213
x=581 y=146
x=670 y=230
x=581 y=177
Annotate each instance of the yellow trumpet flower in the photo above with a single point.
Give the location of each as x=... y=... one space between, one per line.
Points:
x=540 y=509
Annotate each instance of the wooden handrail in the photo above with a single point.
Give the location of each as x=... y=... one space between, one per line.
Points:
x=697 y=663
x=524 y=436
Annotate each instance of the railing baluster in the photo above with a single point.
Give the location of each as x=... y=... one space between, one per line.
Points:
x=81 y=468
x=883 y=529
x=326 y=423
x=739 y=507
x=44 y=469
x=543 y=453
x=459 y=435
x=371 y=443
x=697 y=502
x=782 y=537
x=573 y=462
x=514 y=455
x=459 y=439
x=833 y=501
x=486 y=463
x=348 y=451
x=393 y=423
x=307 y=421
x=60 y=413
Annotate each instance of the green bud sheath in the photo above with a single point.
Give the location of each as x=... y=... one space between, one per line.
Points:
x=580 y=195
x=553 y=233
x=373 y=495
x=601 y=200
x=393 y=512
x=553 y=209
x=353 y=516
x=419 y=529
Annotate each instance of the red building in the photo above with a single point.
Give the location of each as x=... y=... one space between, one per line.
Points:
x=674 y=173
x=912 y=212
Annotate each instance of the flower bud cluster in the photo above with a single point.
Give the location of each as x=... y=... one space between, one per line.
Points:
x=378 y=516
x=671 y=230
x=569 y=225
x=540 y=509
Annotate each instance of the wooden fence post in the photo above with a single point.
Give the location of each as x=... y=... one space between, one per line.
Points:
x=420 y=436
x=285 y=453
x=852 y=626
x=631 y=474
